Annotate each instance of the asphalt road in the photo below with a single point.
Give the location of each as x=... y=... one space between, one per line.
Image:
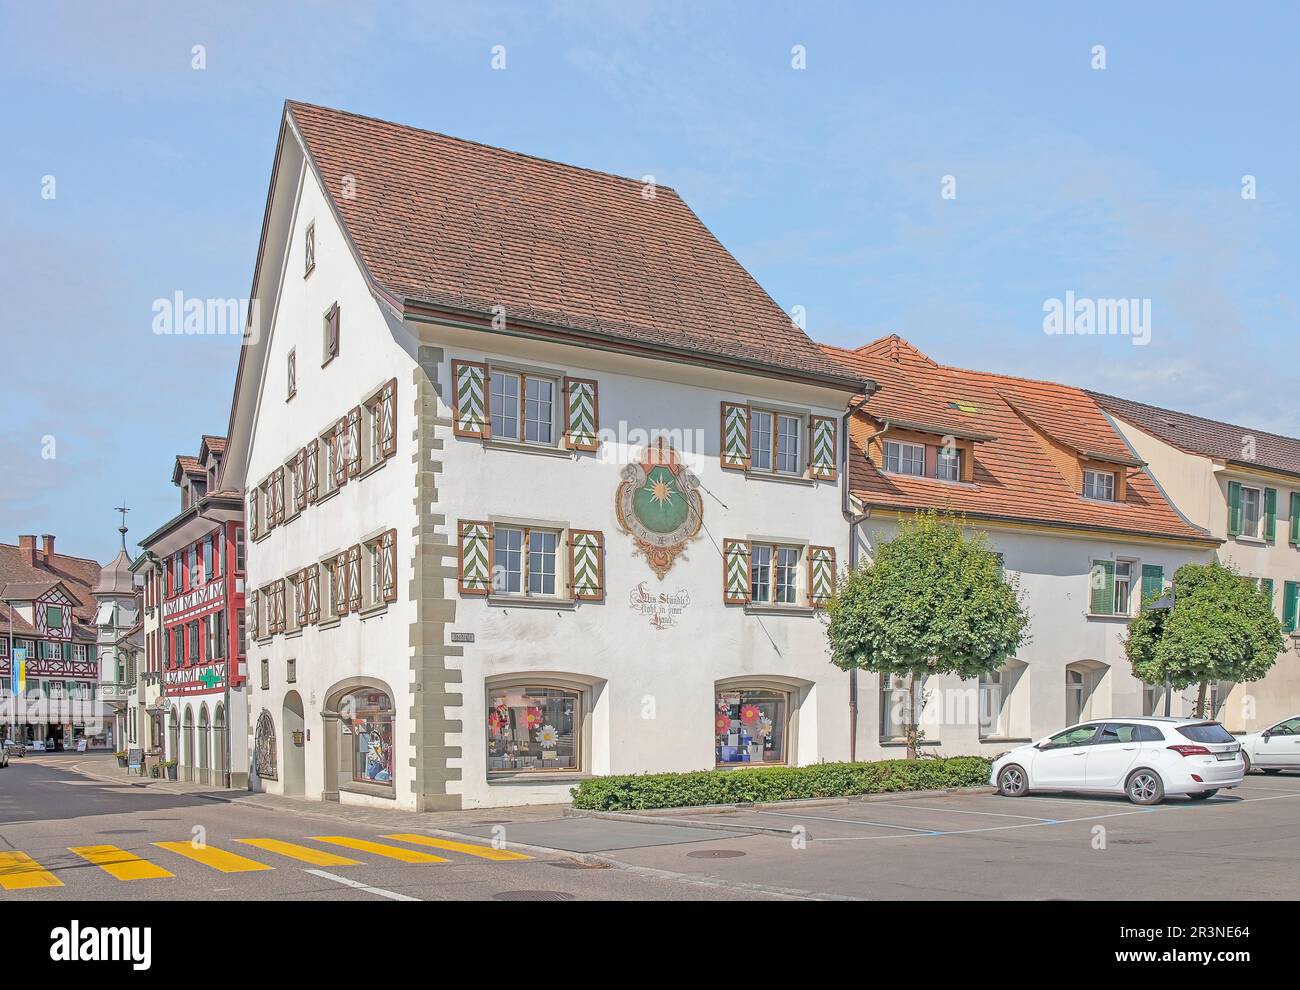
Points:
x=65 y=836
x=47 y=811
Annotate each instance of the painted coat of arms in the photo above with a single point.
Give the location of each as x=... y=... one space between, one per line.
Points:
x=659 y=505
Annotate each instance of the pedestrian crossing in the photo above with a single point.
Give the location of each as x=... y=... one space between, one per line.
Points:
x=20 y=871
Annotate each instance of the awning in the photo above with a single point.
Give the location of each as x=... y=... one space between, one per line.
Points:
x=104 y=616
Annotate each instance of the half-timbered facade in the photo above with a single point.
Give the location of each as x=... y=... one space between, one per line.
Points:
x=196 y=645
x=49 y=665
x=539 y=482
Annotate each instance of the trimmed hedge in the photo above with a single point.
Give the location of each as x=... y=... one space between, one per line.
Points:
x=761 y=784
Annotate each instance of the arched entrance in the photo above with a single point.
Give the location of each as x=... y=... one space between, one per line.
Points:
x=187 y=764
x=357 y=744
x=204 y=743
x=174 y=735
x=264 y=755
x=1086 y=695
x=219 y=747
x=295 y=759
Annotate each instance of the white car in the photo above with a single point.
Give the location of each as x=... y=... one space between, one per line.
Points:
x=1143 y=758
x=1275 y=749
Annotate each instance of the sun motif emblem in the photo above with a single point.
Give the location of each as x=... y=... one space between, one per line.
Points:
x=661 y=490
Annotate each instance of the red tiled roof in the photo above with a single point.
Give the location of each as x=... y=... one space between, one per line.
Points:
x=1015 y=478
x=77 y=574
x=190 y=465
x=215 y=444
x=468 y=227
x=1208 y=437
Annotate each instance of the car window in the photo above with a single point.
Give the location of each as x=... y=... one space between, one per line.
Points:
x=1118 y=732
x=1149 y=733
x=1080 y=735
x=1288 y=728
x=1206 y=732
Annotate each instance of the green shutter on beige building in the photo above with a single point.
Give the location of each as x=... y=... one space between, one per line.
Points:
x=1270 y=514
x=1102 y=579
x=1153 y=582
x=1290 y=598
x=1234 y=508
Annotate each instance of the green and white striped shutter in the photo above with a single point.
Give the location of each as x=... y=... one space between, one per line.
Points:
x=583 y=418
x=1102 y=583
x=735 y=572
x=1290 y=600
x=1295 y=517
x=475 y=569
x=821 y=431
x=1234 y=508
x=1153 y=582
x=586 y=564
x=735 y=436
x=821 y=575
x=469 y=412
x=1270 y=514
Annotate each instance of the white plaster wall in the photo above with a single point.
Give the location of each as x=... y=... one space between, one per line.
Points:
x=1052 y=575
x=371 y=350
x=654 y=710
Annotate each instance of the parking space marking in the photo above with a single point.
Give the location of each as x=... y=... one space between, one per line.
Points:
x=993 y=828
x=849 y=821
x=903 y=806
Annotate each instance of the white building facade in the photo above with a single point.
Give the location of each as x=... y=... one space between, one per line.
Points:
x=495 y=549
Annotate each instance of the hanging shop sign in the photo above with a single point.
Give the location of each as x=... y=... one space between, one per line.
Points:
x=659 y=506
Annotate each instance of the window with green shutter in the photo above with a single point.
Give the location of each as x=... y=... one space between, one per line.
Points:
x=1234 y=508
x=1290 y=598
x=1270 y=514
x=1153 y=583
x=1295 y=517
x=1102 y=582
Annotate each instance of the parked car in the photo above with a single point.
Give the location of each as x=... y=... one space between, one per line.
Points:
x=1146 y=759
x=4 y=755
x=1275 y=749
x=15 y=747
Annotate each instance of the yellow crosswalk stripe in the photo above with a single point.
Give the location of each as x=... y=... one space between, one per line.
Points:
x=316 y=857
x=469 y=849
x=218 y=859
x=380 y=849
x=119 y=863
x=18 y=871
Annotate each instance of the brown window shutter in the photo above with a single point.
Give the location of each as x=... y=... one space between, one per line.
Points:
x=341 y=453
x=388 y=561
x=300 y=471
x=340 y=576
x=310 y=577
x=311 y=485
x=354 y=441
x=354 y=578
x=277 y=484
x=387 y=420
x=252 y=514
x=332 y=332
x=254 y=617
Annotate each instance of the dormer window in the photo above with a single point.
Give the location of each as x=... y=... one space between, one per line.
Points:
x=947 y=464
x=905 y=458
x=1099 y=485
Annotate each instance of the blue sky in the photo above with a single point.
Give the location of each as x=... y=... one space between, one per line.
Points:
x=825 y=182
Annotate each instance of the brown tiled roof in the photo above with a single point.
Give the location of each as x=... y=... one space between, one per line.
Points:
x=1015 y=479
x=468 y=227
x=215 y=444
x=77 y=574
x=188 y=464
x=1208 y=437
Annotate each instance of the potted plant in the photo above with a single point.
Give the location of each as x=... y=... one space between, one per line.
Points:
x=154 y=770
x=121 y=757
x=170 y=767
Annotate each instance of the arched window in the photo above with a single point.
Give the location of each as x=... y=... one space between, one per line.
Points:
x=367 y=717
x=264 y=747
x=533 y=728
x=750 y=725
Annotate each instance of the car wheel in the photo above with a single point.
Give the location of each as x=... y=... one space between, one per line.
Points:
x=1013 y=782
x=1145 y=787
x=1272 y=770
x=1203 y=795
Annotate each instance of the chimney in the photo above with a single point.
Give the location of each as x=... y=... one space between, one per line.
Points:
x=27 y=549
x=47 y=548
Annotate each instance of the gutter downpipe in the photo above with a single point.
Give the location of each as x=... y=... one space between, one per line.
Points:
x=853 y=521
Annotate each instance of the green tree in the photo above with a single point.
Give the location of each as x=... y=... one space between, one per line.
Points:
x=1221 y=628
x=933 y=600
